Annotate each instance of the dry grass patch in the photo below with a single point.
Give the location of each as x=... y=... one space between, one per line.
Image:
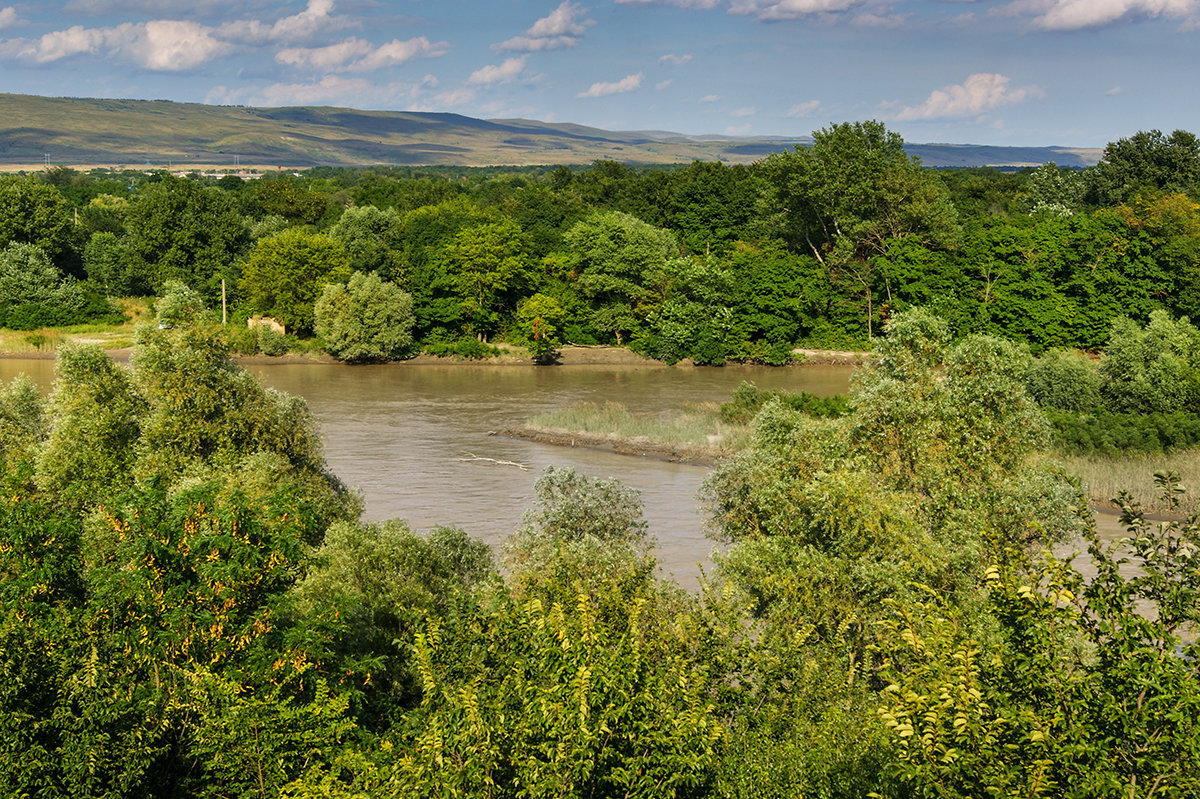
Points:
x=1103 y=478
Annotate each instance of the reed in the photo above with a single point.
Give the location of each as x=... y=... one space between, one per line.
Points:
x=1103 y=477
x=695 y=424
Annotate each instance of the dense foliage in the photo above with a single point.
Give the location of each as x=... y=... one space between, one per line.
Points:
x=812 y=247
x=189 y=605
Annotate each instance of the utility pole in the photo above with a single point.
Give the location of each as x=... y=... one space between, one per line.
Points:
x=224 y=318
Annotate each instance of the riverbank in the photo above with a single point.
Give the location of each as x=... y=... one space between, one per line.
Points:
x=511 y=355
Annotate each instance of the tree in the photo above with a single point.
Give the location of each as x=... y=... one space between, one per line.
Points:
x=850 y=193
x=182 y=231
x=370 y=237
x=1054 y=190
x=367 y=319
x=36 y=214
x=284 y=275
x=33 y=292
x=622 y=267
x=1147 y=160
x=539 y=322
x=488 y=265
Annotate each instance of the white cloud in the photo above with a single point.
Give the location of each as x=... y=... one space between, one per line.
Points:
x=358 y=55
x=317 y=17
x=710 y=98
x=805 y=109
x=676 y=3
x=672 y=60
x=628 y=83
x=170 y=45
x=663 y=84
x=979 y=93
x=504 y=72
x=73 y=41
x=559 y=29
x=744 y=112
x=1115 y=90
x=1071 y=14
x=8 y=16
x=1076 y=14
x=772 y=10
x=161 y=45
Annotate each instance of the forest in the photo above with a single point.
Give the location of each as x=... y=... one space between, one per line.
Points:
x=190 y=604
x=814 y=247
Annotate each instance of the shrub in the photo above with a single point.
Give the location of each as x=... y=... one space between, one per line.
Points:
x=368 y=319
x=1065 y=380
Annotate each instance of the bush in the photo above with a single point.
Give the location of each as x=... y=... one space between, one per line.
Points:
x=466 y=348
x=368 y=319
x=748 y=400
x=1065 y=380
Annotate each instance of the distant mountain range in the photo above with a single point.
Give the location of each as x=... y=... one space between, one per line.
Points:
x=160 y=133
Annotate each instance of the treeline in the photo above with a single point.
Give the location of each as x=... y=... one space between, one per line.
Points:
x=814 y=247
x=189 y=606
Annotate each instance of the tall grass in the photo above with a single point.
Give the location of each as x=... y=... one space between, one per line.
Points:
x=696 y=424
x=1104 y=477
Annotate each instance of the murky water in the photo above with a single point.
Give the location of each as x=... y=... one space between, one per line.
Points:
x=400 y=434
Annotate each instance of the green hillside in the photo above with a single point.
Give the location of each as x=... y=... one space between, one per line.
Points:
x=78 y=131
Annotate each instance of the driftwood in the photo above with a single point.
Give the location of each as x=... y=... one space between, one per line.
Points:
x=471 y=457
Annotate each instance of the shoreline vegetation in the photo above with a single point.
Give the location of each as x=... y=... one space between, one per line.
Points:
x=698 y=435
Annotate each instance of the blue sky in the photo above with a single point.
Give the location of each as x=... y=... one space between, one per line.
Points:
x=1027 y=72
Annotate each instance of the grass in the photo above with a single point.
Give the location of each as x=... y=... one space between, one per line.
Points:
x=108 y=336
x=1104 y=477
x=695 y=424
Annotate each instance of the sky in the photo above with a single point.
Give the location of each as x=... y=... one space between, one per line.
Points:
x=1009 y=72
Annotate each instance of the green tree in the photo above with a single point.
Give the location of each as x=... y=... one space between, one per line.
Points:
x=622 y=268
x=33 y=292
x=371 y=237
x=539 y=322
x=1147 y=160
x=182 y=231
x=367 y=319
x=284 y=275
x=488 y=265
x=36 y=214
x=849 y=194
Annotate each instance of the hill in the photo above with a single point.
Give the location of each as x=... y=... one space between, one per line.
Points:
x=84 y=132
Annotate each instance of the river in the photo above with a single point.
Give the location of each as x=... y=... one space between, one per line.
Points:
x=403 y=435
x=399 y=434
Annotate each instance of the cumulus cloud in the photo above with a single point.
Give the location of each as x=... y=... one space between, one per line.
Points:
x=979 y=93
x=672 y=60
x=8 y=16
x=317 y=17
x=161 y=45
x=559 y=29
x=358 y=55
x=774 y=10
x=504 y=72
x=744 y=112
x=663 y=84
x=710 y=98
x=628 y=83
x=805 y=109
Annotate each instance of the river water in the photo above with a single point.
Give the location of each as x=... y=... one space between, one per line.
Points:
x=405 y=435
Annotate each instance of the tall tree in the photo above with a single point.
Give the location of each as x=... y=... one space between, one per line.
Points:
x=1146 y=160
x=851 y=193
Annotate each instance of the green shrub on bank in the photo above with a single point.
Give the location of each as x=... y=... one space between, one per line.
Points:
x=1106 y=433
x=466 y=348
x=748 y=400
